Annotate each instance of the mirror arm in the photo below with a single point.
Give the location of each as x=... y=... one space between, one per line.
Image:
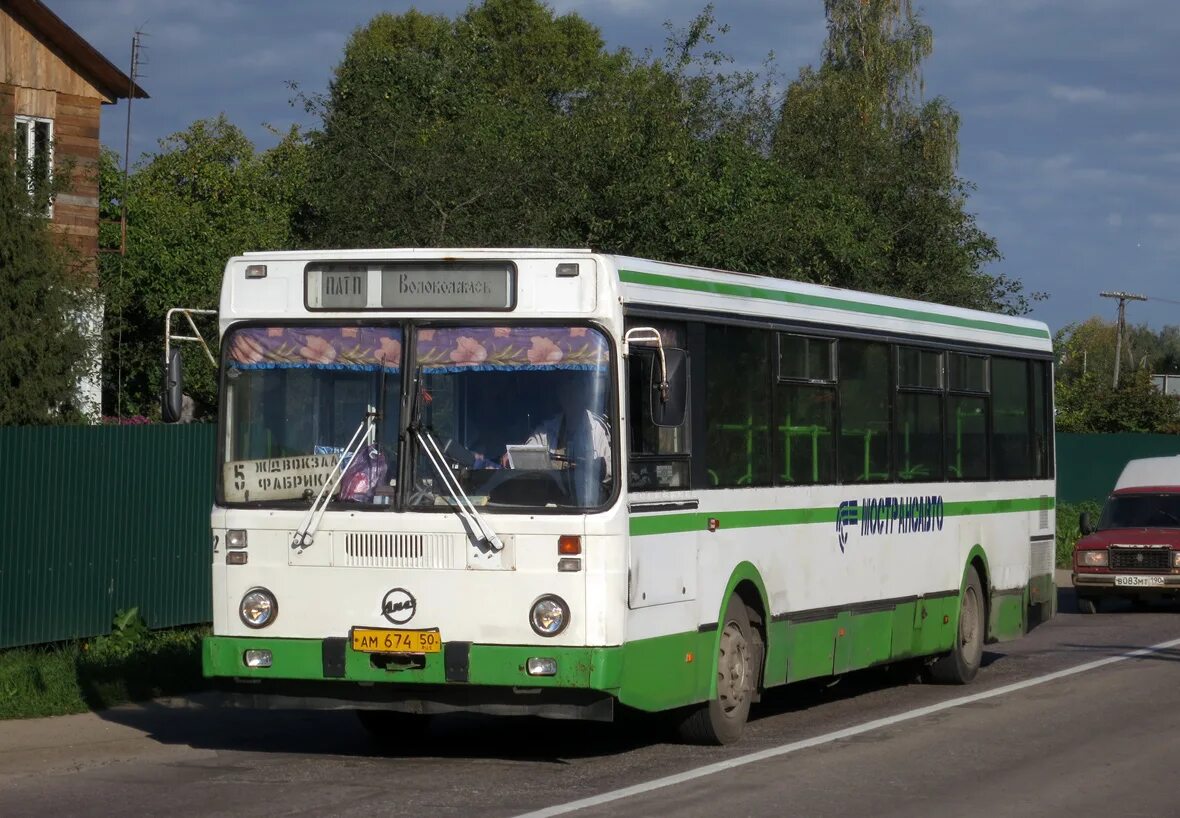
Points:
x=650 y=334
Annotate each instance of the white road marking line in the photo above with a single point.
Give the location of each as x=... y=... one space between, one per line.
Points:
x=827 y=738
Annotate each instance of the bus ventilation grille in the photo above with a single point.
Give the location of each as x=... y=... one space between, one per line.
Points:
x=403 y=551
x=1044 y=518
x=1041 y=557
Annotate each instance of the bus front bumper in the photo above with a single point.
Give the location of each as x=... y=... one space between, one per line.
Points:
x=328 y=673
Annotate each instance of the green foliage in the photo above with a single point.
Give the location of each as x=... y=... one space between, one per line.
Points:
x=1090 y=404
x=43 y=347
x=206 y=196
x=512 y=125
x=1089 y=347
x=54 y=680
x=857 y=128
x=128 y=629
x=1068 y=531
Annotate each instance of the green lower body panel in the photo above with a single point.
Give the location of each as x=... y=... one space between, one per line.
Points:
x=649 y=674
x=503 y=665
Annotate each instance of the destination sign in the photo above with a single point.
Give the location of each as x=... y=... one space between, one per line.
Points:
x=463 y=285
x=339 y=287
x=276 y=478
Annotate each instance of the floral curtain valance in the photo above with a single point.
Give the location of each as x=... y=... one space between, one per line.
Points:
x=454 y=349
x=352 y=348
x=450 y=349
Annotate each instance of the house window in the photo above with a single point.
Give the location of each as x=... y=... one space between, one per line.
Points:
x=34 y=153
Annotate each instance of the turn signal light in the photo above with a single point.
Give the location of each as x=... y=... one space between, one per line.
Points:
x=569 y=545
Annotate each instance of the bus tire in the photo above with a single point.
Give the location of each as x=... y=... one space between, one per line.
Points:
x=722 y=719
x=962 y=663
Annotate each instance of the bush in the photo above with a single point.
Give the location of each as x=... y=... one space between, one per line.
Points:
x=73 y=677
x=1068 y=532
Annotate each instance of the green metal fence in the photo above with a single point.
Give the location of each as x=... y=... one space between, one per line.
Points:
x=1088 y=465
x=95 y=519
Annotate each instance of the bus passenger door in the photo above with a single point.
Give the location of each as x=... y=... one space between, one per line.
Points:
x=664 y=520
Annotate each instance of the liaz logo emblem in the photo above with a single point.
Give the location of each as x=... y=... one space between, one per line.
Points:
x=399 y=606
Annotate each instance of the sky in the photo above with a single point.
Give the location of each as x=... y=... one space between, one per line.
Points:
x=1070 y=109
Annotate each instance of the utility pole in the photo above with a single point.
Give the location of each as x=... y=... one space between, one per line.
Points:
x=1121 y=326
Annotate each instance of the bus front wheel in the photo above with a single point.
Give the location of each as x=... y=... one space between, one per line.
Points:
x=962 y=663
x=721 y=720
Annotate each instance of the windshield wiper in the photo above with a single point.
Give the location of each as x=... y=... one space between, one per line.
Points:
x=305 y=533
x=477 y=526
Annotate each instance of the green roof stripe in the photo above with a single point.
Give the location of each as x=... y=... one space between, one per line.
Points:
x=644 y=525
x=749 y=291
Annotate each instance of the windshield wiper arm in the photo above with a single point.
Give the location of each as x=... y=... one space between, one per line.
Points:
x=305 y=533
x=478 y=527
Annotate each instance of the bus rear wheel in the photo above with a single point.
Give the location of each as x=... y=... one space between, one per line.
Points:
x=722 y=719
x=962 y=663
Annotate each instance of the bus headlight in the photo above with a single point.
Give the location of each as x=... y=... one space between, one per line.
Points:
x=258 y=608
x=549 y=615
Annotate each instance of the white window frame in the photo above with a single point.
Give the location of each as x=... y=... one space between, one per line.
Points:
x=29 y=124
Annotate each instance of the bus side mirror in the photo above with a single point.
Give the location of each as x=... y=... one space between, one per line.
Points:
x=669 y=389
x=1085 y=525
x=172 y=399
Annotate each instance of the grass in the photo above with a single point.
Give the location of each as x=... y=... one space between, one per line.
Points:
x=75 y=677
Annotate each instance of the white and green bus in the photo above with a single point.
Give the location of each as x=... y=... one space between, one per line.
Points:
x=550 y=482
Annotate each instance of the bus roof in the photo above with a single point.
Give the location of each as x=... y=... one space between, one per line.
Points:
x=638 y=281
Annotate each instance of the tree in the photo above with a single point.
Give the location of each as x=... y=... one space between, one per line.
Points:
x=511 y=125
x=857 y=126
x=43 y=347
x=206 y=196
x=1091 y=404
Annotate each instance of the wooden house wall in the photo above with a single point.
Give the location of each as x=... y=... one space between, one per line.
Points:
x=36 y=81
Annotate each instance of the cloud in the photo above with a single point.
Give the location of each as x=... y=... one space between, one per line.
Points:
x=1078 y=94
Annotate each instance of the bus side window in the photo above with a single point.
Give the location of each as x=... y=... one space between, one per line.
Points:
x=1012 y=443
x=737 y=409
x=966 y=417
x=864 y=411
x=805 y=411
x=918 y=427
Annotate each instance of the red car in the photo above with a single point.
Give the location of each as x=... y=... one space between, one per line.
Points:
x=1134 y=550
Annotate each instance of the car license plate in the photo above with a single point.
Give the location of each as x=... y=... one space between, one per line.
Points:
x=388 y=640
x=1138 y=581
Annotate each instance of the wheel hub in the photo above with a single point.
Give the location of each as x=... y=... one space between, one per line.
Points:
x=733 y=668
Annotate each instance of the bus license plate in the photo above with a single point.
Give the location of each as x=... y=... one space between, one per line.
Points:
x=1138 y=581
x=388 y=640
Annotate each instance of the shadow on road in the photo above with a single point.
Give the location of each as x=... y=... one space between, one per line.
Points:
x=338 y=732
x=1067 y=603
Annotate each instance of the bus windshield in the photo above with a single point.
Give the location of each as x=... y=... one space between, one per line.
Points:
x=1141 y=511
x=294 y=399
x=521 y=415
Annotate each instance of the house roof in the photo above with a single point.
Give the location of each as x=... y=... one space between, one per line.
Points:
x=84 y=57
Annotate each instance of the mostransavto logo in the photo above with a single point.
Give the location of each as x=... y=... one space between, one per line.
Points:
x=889 y=515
